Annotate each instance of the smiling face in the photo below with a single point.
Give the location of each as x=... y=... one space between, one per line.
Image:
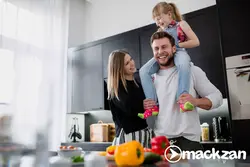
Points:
x=129 y=65
x=164 y=52
x=121 y=67
x=163 y=14
x=163 y=20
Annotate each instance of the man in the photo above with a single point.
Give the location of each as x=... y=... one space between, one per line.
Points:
x=181 y=128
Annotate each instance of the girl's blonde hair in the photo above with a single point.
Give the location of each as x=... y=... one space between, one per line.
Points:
x=164 y=7
x=116 y=73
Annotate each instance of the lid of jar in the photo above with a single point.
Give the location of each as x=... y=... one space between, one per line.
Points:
x=205 y=124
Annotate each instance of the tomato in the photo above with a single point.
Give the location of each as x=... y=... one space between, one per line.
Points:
x=71 y=147
x=147 y=150
x=111 y=150
x=63 y=147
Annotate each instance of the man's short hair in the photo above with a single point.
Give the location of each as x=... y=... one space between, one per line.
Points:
x=162 y=34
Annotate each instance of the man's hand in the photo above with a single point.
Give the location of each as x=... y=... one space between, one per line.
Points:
x=203 y=103
x=148 y=103
x=187 y=97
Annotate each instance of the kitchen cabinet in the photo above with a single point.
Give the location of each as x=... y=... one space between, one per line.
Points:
x=233 y=16
x=88 y=67
x=234 y=29
x=128 y=41
x=208 y=55
x=86 y=79
x=145 y=46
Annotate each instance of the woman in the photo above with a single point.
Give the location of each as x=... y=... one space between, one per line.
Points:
x=126 y=96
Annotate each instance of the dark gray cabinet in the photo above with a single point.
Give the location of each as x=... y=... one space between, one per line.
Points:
x=208 y=55
x=234 y=26
x=234 y=29
x=88 y=63
x=145 y=35
x=128 y=41
x=86 y=79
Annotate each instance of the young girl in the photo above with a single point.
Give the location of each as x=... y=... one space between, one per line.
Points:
x=126 y=96
x=169 y=19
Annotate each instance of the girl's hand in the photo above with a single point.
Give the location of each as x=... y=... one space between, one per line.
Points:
x=159 y=30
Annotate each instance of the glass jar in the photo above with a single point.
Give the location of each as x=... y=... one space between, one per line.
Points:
x=205 y=132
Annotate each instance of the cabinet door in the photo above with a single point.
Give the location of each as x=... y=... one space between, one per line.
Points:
x=146 y=50
x=128 y=41
x=235 y=27
x=86 y=79
x=208 y=55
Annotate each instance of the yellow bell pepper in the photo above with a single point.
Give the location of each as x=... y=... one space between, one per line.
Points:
x=102 y=153
x=129 y=154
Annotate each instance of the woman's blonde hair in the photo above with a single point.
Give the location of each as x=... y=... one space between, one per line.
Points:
x=116 y=72
x=164 y=7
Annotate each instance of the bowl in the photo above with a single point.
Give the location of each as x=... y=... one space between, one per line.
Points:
x=68 y=153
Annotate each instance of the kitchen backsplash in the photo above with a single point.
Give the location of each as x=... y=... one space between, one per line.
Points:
x=92 y=117
x=85 y=119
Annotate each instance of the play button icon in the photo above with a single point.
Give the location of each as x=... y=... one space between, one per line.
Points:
x=174 y=154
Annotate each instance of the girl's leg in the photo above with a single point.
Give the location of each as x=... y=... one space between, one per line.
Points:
x=146 y=73
x=182 y=62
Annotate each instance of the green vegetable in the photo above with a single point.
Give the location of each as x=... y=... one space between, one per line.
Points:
x=151 y=158
x=77 y=159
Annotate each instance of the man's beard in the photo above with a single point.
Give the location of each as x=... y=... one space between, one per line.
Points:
x=170 y=58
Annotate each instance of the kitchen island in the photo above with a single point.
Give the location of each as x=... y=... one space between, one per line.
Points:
x=90 y=146
x=28 y=162
x=196 y=163
x=101 y=146
x=193 y=163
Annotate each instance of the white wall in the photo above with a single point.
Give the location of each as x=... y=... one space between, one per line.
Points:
x=77 y=23
x=104 y=18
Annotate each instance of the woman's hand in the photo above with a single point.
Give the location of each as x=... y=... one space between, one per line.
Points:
x=148 y=103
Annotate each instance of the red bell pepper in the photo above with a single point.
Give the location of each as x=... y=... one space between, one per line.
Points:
x=159 y=144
